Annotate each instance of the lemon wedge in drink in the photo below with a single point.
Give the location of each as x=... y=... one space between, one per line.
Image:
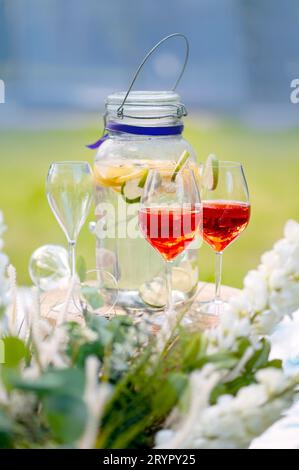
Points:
x=180 y=164
x=210 y=173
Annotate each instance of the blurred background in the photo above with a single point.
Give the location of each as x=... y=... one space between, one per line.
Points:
x=59 y=60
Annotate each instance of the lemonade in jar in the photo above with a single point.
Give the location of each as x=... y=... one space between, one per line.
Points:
x=147 y=135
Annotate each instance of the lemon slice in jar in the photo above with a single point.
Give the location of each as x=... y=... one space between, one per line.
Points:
x=113 y=176
x=132 y=189
x=154 y=293
x=181 y=280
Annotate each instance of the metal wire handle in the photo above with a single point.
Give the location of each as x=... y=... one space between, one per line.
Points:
x=181 y=110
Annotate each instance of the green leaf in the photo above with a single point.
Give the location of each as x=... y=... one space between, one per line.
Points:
x=66 y=416
x=179 y=382
x=92 y=296
x=231 y=388
x=222 y=360
x=89 y=349
x=191 y=351
x=68 y=381
x=15 y=351
x=243 y=344
x=260 y=357
x=6 y=431
x=81 y=268
x=277 y=363
x=168 y=392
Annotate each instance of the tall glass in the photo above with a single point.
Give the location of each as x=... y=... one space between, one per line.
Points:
x=226 y=213
x=170 y=216
x=70 y=192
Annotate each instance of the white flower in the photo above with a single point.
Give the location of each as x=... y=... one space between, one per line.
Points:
x=291 y=231
x=234 y=421
x=201 y=384
x=241 y=305
x=284 y=249
x=256 y=290
x=3 y=262
x=95 y=397
x=270 y=260
x=231 y=326
x=273 y=380
x=285 y=301
x=265 y=322
x=162 y=437
x=251 y=396
x=278 y=279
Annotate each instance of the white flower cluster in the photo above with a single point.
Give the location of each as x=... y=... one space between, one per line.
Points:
x=4 y=284
x=270 y=292
x=273 y=289
x=234 y=421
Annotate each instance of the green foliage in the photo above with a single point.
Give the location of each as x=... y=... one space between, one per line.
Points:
x=15 y=351
x=6 y=430
x=110 y=345
x=68 y=382
x=146 y=386
x=66 y=415
x=259 y=360
x=92 y=297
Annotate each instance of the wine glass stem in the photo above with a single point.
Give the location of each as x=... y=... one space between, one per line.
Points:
x=218 y=273
x=168 y=270
x=72 y=258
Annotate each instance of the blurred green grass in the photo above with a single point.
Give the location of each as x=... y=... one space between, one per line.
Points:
x=271 y=161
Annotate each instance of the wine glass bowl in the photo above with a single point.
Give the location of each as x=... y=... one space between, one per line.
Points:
x=223 y=222
x=70 y=193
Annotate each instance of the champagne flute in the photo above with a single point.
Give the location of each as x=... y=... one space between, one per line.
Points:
x=70 y=192
x=170 y=216
x=226 y=213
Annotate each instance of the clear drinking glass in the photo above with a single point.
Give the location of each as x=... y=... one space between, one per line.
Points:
x=99 y=293
x=170 y=216
x=226 y=213
x=49 y=267
x=70 y=192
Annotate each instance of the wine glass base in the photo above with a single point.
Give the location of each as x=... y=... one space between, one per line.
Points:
x=158 y=319
x=213 y=308
x=73 y=306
